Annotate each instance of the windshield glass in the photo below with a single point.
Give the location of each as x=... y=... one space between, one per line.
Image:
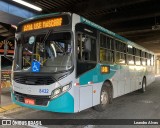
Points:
x=49 y=52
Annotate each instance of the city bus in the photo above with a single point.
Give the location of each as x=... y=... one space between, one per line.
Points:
x=65 y=63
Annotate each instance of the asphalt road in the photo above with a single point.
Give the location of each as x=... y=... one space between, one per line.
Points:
x=135 y=105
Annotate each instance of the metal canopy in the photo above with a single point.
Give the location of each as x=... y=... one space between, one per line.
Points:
x=133 y=19
x=6 y=30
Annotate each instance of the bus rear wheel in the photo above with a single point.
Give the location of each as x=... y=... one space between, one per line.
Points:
x=143 y=85
x=105 y=98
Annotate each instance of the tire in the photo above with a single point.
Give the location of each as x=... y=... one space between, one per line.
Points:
x=105 y=98
x=143 y=85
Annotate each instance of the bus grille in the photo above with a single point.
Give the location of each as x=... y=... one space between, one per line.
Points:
x=39 y=100
x=34 y=80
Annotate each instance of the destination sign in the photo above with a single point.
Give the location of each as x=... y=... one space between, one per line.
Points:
x=105 y=69
x=41 y=24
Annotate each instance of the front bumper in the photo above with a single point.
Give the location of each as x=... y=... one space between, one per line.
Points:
x=62 y=104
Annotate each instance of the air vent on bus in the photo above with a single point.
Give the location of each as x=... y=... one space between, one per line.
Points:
x=34 y=80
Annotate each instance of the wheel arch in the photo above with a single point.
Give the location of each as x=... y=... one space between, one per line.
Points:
x=144 y=77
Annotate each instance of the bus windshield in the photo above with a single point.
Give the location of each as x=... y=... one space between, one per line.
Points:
x=52 y=50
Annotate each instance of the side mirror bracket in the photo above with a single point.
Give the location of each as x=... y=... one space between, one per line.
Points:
x=6 y=52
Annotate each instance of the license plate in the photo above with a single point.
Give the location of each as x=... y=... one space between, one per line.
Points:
x=29 y=101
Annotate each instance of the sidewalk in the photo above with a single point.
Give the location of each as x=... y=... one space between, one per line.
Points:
x=6 y=103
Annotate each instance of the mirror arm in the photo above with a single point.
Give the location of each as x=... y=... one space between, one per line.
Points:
x=8 y=58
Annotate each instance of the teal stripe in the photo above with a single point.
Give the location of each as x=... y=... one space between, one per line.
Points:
x=96 y=76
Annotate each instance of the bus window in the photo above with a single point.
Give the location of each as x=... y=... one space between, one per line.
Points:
x=143 y=61
x=86 y=48
x=103 y=41
x=106 y=55
x=120 y=58
x=130 y=50
x=149 y=60
x=106 y=49
x=137 y=60
x=152 y=60
x=120 y=52
x=137 y=57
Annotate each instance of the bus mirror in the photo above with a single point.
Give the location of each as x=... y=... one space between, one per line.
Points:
x=5 y=49
x=87 y=45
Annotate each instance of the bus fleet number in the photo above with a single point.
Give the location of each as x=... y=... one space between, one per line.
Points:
x=43 y=90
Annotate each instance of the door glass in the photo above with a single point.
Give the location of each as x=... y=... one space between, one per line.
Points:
x=6 y=67
x=6 y=64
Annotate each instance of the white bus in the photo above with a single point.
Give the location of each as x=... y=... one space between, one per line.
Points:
x=66 y=63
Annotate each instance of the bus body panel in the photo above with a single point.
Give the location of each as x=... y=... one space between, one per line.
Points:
x=96 y=93
x=85 y=97
x=90 y=86
x=125 y=79
x=76 y=90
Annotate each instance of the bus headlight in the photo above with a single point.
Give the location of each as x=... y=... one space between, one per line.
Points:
x=55 y=93
x=60 y=90
x=65 y=88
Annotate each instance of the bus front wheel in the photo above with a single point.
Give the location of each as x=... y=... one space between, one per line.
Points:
x=105 y=98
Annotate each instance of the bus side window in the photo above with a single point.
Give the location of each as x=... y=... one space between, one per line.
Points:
x=106 y=49
x=86 y=48
x=79 y=46
x=86 y=53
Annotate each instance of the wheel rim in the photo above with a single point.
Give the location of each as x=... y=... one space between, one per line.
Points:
x=104 y=97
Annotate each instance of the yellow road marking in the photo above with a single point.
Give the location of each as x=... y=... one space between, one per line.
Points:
x=8 y=107
x=2 y=110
